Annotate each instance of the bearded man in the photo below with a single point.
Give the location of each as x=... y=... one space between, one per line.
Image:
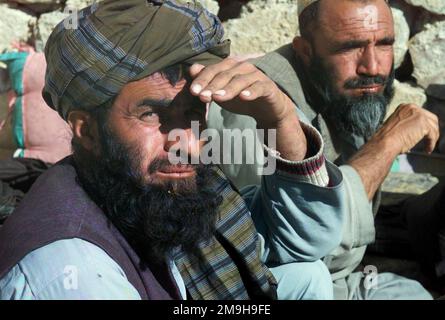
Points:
x=119 y=220
x=340 y=74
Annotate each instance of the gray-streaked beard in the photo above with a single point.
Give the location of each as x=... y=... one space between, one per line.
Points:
x=361 y=116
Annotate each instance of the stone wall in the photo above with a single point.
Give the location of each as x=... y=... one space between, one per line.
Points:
x=258 y=26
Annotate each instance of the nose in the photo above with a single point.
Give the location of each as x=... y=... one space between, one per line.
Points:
x=368 y=63
x=183 y=144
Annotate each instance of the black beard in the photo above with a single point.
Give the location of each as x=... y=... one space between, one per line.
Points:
x=155 y=219
x=361 y=116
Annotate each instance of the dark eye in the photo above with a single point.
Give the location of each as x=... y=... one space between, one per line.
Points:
x=347 y=49
x=385 y=46
x=150 y=117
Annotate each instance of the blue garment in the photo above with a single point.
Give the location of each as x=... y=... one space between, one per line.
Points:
x=67 y=269
x=298 y=222
x=71 y=276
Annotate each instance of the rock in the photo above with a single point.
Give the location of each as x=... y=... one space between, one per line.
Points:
x=251 y=34
x=45 y=26
x=423 y=19
x=417 y=17
x=47 y=2
x=427 y=51
x=408 y=183
x=211 y=5
x=436 y=90
x=402 y=36
x=436 y=6
x=40 y=6
x=230 y=9
x=79 y=4
x=406 y=93
x=15 y=26
x=410 y=12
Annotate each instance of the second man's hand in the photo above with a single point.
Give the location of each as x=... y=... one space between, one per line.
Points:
x=404 y=129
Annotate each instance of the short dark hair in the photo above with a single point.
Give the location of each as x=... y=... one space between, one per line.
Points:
x=307 y=18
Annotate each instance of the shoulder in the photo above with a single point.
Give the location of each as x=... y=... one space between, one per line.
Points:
x=67 y=269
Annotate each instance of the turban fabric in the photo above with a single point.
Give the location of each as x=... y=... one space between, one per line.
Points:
x=114 y=42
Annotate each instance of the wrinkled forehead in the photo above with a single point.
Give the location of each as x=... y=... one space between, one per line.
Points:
x=176 y=74
x=164 y=90
x=163 y=80
x=355 y=19
x=160 y=85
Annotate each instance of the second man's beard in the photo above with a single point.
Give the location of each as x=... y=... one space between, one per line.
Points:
x=361 y=115
x=156 y=219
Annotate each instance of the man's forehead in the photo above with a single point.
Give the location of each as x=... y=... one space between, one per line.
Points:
x=159 y=78
x=155 y=88
x=355 y=19
x=158 y=84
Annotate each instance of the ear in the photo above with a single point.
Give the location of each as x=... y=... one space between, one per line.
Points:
x=84 y=128
x=303 y=49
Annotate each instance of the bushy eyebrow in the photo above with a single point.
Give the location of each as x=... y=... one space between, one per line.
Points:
x=154 y=103
x=387 y=41
x=164 y=103
x=352 y=44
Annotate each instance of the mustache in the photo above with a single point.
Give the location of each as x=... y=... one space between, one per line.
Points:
x=161 y=164
x=364 y=81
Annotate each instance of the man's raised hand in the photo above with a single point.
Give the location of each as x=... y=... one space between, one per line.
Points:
x=240 y=87
x=405 y=128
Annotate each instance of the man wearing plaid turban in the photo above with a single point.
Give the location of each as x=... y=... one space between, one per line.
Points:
x=119 y=219
x=340 y=74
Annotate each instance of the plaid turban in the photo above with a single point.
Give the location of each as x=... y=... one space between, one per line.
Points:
x=115 y=42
